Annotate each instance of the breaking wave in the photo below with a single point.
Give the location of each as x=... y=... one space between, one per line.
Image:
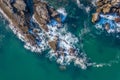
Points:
x=94 y=2
x=66 y=42
x=81 y=6
x=109 y=64
x=66 y=45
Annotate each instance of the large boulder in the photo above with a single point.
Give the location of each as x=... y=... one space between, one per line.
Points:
x=117 y=19
x=53 y=45
x=106 y=8
x=20 y=5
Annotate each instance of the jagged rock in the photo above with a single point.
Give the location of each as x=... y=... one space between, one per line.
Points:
x=43 y=13
x=20 y=5
x=24 y=25
x=95 y=17
x=106 y=6
x=62 y=68
x=54 y=13
x=117 y=19
x=7 y=3
x=58 y=19
x=99 y=3
x=21 y=19
x=53 y=44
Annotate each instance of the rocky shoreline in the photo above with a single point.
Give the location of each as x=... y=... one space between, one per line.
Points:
x=39 y=26
x=107 y=15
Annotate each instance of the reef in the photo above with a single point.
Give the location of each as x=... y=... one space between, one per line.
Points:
x=107 y=15
x=40 y=27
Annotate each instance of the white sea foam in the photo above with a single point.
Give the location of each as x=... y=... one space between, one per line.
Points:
x=98 y=26
x=94 y=2
x=81 y=6
x=62 y=11
x=66 y=41
x=79 y=3
x=20 y=35
x=101 y=65
x=109 y=64
x=88 y=8
x=108 y=16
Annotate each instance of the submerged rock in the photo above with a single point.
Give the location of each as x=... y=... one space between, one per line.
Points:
x=62 y=68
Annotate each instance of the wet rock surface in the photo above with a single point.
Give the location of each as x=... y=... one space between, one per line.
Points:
x=43 y=14
x=106 y=6
x=19 y=15
x=39 y=26
x=95 y=17
x=107 y=15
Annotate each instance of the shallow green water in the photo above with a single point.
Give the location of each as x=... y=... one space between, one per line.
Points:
x=16 y=63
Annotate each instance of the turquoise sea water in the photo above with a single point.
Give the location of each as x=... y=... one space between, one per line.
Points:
x=17 y=63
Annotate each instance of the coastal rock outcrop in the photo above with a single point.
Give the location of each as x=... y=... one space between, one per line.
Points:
x=53 y=45
x=95 y=17
x=39 y=26
x=19 y=5
x=43 y=14
x=17 y=12
x=107 y=15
